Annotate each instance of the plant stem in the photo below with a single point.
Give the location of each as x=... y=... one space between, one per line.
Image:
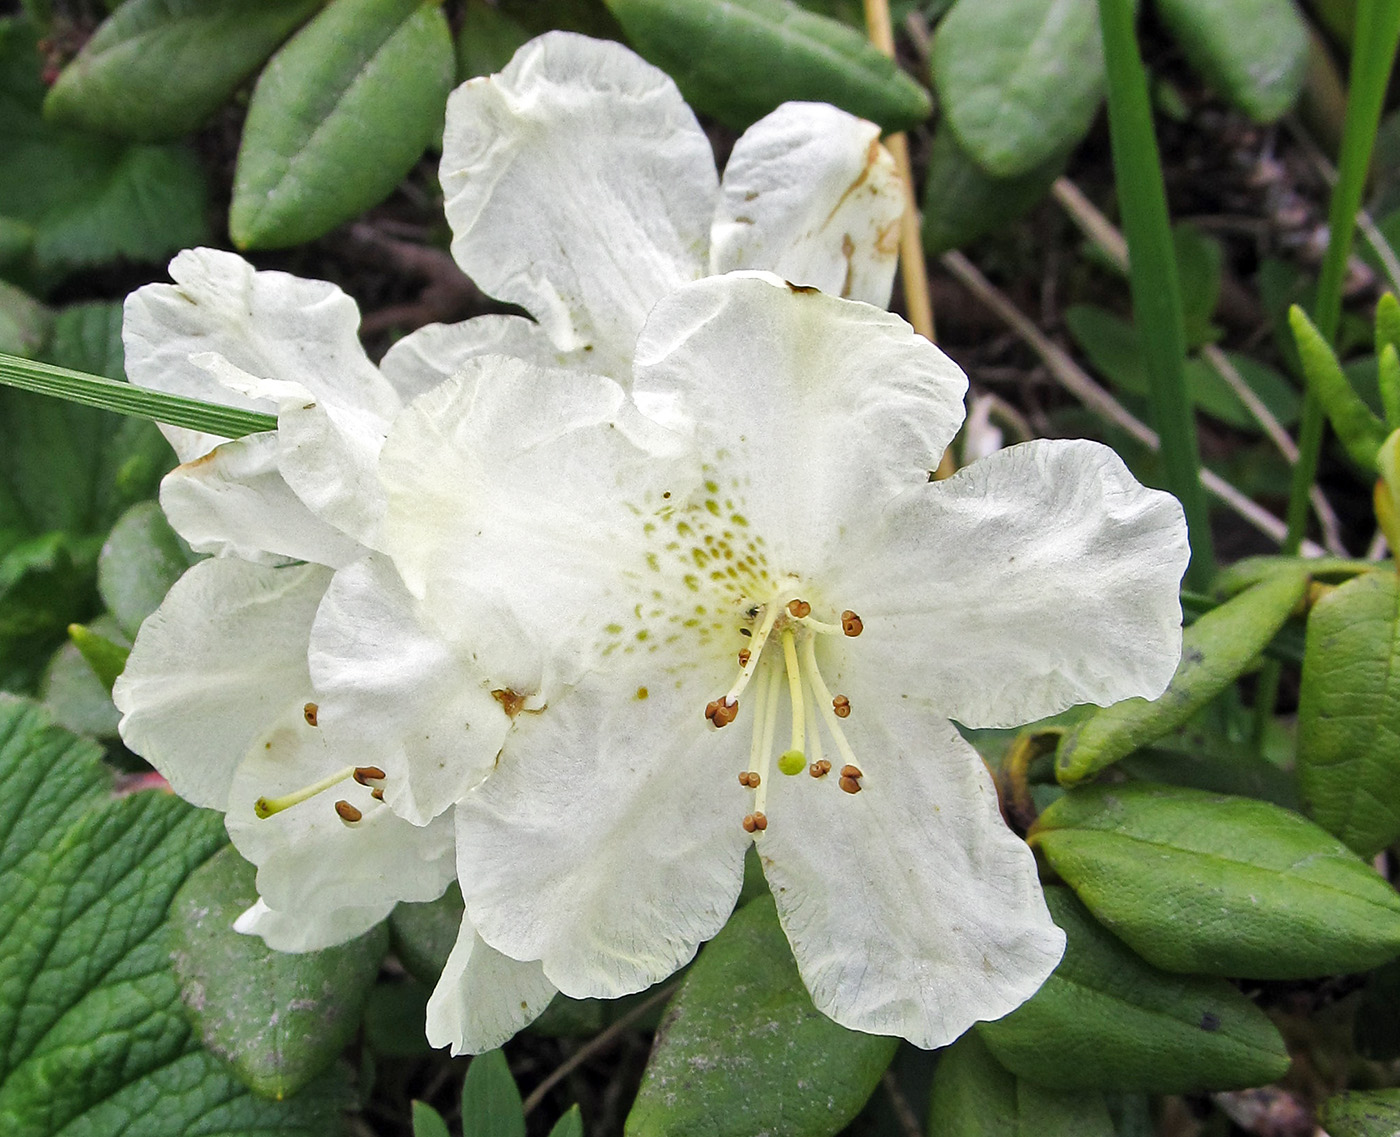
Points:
x=1142 y=198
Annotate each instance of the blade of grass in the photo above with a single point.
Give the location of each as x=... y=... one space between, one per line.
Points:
x=1157 y=313
x=128 y=399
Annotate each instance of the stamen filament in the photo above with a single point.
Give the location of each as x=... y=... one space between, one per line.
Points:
x=824 y=701
x=760 y=713
x=755 y=649
x=814 y=737
x=821 y=626
x=265 y=807
x=794 y=675
x=770 y=725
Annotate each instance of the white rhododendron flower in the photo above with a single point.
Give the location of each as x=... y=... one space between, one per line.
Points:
x=748 y=618
x=218 y=693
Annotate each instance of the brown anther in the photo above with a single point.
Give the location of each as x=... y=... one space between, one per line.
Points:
x=760 y=821
x=749 y=778
x=850 y=785
x=722 y=712
x=819 y=769
x=512 y=702
x=799 y=608
x=366 y=774
x=348 y=813
x=842 y=706
x=309 y=713
x=750 y=823
x=851 y=772
x=744 y=656
x=850 y=623
x=377 y=794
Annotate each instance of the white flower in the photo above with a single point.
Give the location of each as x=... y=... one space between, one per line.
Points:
x=791 y=568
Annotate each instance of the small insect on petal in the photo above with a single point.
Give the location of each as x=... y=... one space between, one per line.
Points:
x=841 y=706
x=819 y=769
x=800 y=608
x=309 y=712
x=850 y=623
x=348 y=813
x=721 y=712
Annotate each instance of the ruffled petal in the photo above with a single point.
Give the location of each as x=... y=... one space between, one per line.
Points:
x=233 y=501
x=911 y=909
x=394 y=695
x=335 y=875
x=607 y=844
x=269 y=324
x=1039 y=577
x=808 y=410
x=484 y=998
x=214 y=667
x=811 y=195
x=591 y=119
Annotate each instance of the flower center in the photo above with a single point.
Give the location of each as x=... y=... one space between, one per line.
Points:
x=788 y=619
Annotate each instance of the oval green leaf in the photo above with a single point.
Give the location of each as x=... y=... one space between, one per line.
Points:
x=339 y=116
x=1107 y=1020
x=975 y=1096
x=141 y=558
x=1349 y=713
x=743 y=1022
x=157 y=69
x=1204 y=883
x=1214 y=651
x=1366 y=1114
x=491 y=1105
x=279 y=1019
x=738 y=59
x=1019 y=80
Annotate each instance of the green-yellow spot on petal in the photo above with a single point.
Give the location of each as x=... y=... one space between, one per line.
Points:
x=792 y=762
x=740 y=520
x=643 y=635
x=712 y=506
x=711 y=487
x=642 y=693
x=613 y=629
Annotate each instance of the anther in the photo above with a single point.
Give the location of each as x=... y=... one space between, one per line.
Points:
x=377 y=794
x=850 y=623
x=842 y=706
x=799 y=608
x=744 y=656
x=851 y=772
x=309 y=713
x=819 y=769
x=722 y=712
x=750 y=779
x=760 y=821
x=347 y=812
x=749 y=823
x=367 y=774
x=850 y=785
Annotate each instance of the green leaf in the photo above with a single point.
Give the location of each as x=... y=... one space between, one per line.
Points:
x=1199 y=263
x=486 y=40
x=570 y=1125
x=742 y=1019
x=1214 y=651
x=491 y=1105
x=157 y=69
x=141 y=558
x=395 y=1019
x=1372 y=1113
x=339 y=116
x=962 y=202
x=424 y=934
x=1349 y=713
x=87 y=199
x=738 y=59
x=1260 y=72
x=975 y=1096
x=106 y=657
x=74 y=695
x=1203 y=883
x=1106 y=1020
x=1361 y=431
x=1019 y=80
x=91 y=1030
x=280 y=1019
x=25 y=324
x=427 y=1122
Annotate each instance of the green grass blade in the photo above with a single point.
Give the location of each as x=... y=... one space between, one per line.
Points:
x=1157 y=311
x=128 y=399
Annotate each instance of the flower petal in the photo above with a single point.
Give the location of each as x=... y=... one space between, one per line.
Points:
x=607 y=844
x=295 y=931
x=808 y=410
x=811 y=195
x=911 y=909
x=484 y=998
x=1038 y=577
x=233 y=501
x=214 y=667
x=639 y=181
x=393 y=695
x=335 y=875
x=269 y=324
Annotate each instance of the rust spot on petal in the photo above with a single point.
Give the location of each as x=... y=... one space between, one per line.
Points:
x=512 y=702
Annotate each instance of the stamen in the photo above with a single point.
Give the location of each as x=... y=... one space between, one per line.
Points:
x=265 y=807
x=841 y=707
x=744 y=656
x=309 y=713
x=722 y=712
x=755 y=822
x=367 y=774
x=819 y=769
x=799 y=608
x=748 y=666
x=851 y=624
x=826 y=701
x=750 y=779
x=794 y=757
x=765 y=745
x=347 y=812
x=850 y=779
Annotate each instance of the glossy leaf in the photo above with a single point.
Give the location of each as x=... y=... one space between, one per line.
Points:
x=1214 y=651
x=280 y=1019
x=428 y=1122
x=339 y=116
x=486 y=40
x=1107 y=1020
x=743 y=1019
x=570 y=1125
x=141 y=558
x=72 y=692
x=1373 y=1113
x=491 y=1105
x=424 y=934
x=738 y=59
x=1020 y=80
x=1349 y=713
x=1215 y=885
x=157 y=69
